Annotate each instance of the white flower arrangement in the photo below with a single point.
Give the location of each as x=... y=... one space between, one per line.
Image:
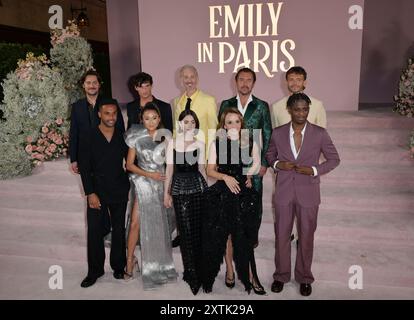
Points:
x=37 y=96
x=34 y=94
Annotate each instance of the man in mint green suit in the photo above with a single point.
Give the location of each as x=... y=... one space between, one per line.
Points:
x=256 y=115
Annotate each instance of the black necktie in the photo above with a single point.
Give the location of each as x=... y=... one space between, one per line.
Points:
x=187 y=105
x=92 y=119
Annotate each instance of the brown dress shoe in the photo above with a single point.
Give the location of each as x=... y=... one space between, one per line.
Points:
x=277 y=286
x=305 y=289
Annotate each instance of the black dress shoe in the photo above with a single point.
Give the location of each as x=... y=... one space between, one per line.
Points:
x=119 y=274
x=305 y=289
x=277 y=286
x=90 y=280
x=176 y=242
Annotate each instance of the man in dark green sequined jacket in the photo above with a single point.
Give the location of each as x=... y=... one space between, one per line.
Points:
x=256 y=115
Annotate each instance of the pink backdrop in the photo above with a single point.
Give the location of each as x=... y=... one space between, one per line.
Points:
x=324 y=44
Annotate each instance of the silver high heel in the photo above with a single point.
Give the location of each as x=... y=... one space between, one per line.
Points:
x=130 y=276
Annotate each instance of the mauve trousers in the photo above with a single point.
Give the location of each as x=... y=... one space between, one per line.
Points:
x=306 y=221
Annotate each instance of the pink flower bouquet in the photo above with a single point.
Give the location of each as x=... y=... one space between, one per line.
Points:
x=51 y=144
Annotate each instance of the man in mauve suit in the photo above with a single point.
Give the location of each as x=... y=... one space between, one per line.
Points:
x=294 y=152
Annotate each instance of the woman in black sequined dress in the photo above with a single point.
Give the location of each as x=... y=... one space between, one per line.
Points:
x=184 y=187
x=231 y=205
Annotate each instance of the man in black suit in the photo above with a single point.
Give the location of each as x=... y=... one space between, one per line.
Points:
x=84 y=114
x=106 y=185
x=142 y=84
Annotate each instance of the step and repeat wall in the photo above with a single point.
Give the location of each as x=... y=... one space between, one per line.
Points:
x=219 y=37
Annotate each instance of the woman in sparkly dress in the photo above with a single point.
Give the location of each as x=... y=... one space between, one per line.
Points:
x=184 y=186
x=231 y=204
x=155 y=220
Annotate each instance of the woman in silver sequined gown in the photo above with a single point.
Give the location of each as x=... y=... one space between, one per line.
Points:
x=157 y=264
x=184 y=187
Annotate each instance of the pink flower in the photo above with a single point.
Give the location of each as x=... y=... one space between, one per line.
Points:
x=40 y=149
x=58 y=141
x=59 y=121
x=40 y=157
x=28 y=148
x=52 y=147
x=45 y=129
x=29 y=139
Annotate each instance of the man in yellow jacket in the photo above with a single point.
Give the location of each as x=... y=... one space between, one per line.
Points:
x=201 y=103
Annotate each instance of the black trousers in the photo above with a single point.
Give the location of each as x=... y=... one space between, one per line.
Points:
x=97 y=221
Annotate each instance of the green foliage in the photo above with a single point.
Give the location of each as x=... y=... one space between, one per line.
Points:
x=34 y=94
x=10 y=53
x=37 y=95
x=14 y=161
x=73 y=57
x=31 y=102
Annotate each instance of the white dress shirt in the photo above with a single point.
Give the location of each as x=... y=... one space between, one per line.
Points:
x=239 y=105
